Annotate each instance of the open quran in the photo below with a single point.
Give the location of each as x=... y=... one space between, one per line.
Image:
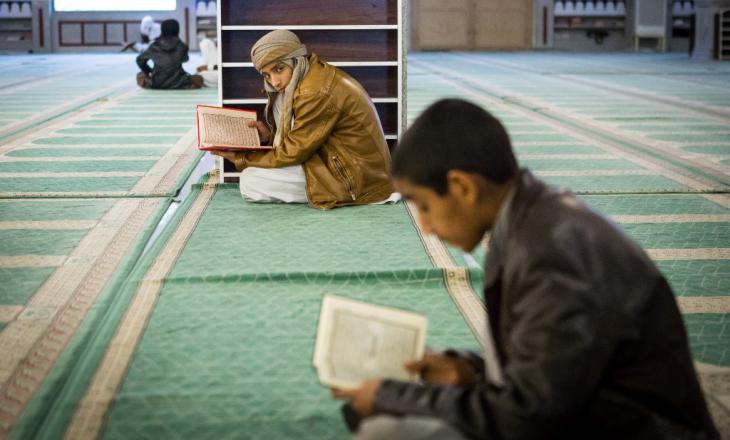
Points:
x=358 y=341
x=222 y=128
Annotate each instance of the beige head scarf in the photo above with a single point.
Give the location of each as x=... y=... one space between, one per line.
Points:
x=281 y=45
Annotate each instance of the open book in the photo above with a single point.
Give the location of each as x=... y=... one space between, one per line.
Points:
x=227 y=129
x=358 y=341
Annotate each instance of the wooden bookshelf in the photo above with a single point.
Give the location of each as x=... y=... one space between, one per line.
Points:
x=362 y=37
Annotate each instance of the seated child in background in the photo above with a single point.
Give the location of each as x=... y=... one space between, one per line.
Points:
x=586 y=329
x=168 y=54
x=149 y=31
x=209 y=69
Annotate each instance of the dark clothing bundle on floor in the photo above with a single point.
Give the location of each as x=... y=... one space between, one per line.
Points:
x=167 y=53
x=587 y=330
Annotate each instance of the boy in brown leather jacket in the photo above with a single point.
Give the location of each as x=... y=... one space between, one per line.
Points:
x=589 y=340
x=329 y=147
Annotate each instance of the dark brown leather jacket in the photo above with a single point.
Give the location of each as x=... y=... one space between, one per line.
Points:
x=336 y=137
x=590 y=338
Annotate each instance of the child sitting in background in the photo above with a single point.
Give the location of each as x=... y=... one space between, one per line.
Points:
x=167 y=53
x=329 y=148
x=209 y=69
x=149 y=31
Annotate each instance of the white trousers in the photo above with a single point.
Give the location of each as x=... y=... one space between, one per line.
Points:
x=209 y=51
x=141 y=47
x=286 y=184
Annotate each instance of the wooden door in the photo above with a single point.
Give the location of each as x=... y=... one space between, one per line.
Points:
x=503 y=24
x=471 y=24
x=439 y=24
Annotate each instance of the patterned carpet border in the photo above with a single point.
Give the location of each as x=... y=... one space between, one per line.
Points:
x=32 y=343
x=88 y=418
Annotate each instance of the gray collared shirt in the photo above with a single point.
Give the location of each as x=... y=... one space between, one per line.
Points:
x=496 y=243
x=498 y=232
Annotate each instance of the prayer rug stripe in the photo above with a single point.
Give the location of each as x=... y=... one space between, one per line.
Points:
x=8 y=313
x=33 y=342
x=88 y=418
x=705 y=304
x=48 y=224
x=689 y=254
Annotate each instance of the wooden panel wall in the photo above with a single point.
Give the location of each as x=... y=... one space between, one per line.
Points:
x=378 y=81
x=471 y=24
x=308 y=12
x=503 y=24
x=334 y=45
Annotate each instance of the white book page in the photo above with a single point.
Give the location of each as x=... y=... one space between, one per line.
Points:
x=358 y=341
x=219 y=127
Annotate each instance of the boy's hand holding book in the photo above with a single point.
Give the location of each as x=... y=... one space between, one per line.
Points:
x=264 y=132
x=230 y=129
x=362 y=398
x=441 y=369
x=436 y=369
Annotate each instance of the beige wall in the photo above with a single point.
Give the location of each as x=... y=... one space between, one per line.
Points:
x=471 y=24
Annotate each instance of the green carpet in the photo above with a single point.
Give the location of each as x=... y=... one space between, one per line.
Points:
x=225 y=336
x=89 y=152
x=229 y=342
x=61 y=262
x=248 y=370
x=243 y=333
x=19 y=283
x=70 y=230
x=52 y=230
x=709 y=334
x=570 y=96
x=125 y=121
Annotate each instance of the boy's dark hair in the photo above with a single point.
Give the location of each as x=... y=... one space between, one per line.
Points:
x=170 y=28
x=453 y=134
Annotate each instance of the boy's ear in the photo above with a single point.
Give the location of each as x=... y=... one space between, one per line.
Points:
x=462 y=185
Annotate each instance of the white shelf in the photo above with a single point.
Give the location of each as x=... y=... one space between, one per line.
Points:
x=333 y=63
x=244 y=101
x=591 y=15
x=334 y=27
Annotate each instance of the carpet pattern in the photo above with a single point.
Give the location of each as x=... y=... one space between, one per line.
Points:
x=79 y=197
x=255 y=360
x=211 y=333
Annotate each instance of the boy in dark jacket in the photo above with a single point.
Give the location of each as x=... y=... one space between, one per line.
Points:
x=167 y=53
x=588 y=339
